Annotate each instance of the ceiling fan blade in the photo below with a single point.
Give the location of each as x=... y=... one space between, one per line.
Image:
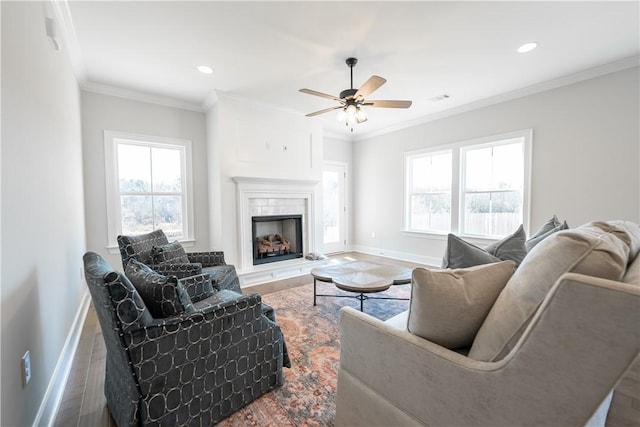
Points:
x=326 y=110
x=388 y=104
x=316 y=93
x=369 y=86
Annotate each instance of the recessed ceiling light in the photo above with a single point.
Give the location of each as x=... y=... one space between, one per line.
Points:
x=205 y=69
x=527 y=47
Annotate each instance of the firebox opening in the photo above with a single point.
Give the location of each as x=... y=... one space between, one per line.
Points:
x=276 y=238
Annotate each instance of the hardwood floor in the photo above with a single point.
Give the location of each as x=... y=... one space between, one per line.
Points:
x=83 y=403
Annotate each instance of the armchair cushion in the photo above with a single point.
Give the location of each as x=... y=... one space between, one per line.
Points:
x=461 y=254
x=164 y=295
x=171 y=253
x=448 y=307
x=139 y=247
x=198 y=287
x=224 y=277
x=130 y=309
x=597 y=249
x=550 y=227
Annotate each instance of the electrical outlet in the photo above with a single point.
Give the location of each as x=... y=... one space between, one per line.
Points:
x=26 y=368
x=373 y=234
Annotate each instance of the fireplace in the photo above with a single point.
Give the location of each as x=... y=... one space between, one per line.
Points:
x=276 y=238
x=261 y=197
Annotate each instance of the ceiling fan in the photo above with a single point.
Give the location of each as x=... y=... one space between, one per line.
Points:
x=352 y=100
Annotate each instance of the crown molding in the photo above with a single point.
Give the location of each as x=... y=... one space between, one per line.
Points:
x=142 y=96
x=612 y=67
x=67 y=29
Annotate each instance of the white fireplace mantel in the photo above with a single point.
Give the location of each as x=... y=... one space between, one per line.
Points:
x=283 y=196
x=249 y=180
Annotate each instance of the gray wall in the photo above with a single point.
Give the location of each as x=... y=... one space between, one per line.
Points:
x=584 y=166
x=43 y=224
x=105 y=112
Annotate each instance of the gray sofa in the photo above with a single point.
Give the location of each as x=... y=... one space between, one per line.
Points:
x=557 y=340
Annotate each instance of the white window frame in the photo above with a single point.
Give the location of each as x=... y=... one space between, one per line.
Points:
x=409 y=184
x=114 y=222
x=458 y=178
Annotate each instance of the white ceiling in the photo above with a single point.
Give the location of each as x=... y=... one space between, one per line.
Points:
x=265 y=51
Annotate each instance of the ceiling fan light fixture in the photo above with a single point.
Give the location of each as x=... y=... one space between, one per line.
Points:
x=361 y=116
x=351 y=111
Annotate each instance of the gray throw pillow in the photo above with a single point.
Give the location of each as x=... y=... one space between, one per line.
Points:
x=164 y=296
x=461 y=254
x=171 y=253
x=447 y=307
x=511 y=248
x=550 y=227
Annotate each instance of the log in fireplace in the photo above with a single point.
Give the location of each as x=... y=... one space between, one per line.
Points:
x=276 y=238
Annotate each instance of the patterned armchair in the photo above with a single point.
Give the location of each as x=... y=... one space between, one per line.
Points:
x=193 y=368
x=154 y=250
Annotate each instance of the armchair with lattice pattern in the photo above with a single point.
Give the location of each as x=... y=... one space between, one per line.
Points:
x=194 y=367
x=169 y=258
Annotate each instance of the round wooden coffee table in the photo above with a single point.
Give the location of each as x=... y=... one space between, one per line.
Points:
x=362 y=278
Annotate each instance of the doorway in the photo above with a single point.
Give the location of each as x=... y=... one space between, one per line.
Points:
x=334 y=206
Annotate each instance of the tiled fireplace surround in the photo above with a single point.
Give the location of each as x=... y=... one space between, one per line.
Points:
x=268 y=196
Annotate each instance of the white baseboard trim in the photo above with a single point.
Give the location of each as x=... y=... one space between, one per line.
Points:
x=48 y=410
x=403 y=256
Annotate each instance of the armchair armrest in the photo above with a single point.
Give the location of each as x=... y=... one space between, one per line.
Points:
x=205 y=359
x=207 y=259
x=179 y=270
x=580 y=343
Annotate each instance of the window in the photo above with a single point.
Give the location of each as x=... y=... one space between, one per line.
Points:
x=148 y=185
x=430 y=192
x=475 y=188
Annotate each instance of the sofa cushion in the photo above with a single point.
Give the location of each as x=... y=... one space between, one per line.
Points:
x=399 y=321
x=596 y=249
x=632 y=274
x=170 y=253
x=163 y=295
x=447 y=307
x=462 y=254
x=550 y=227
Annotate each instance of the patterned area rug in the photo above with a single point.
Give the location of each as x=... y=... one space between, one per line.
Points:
x=308 y=395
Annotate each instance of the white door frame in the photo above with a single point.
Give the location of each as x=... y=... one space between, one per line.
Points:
x=340 y=167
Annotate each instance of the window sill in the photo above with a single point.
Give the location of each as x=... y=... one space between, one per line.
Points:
x=476 y=240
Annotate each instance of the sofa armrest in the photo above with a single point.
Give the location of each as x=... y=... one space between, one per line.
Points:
x=207 y=259
x=580 y=343
x=179 y=270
